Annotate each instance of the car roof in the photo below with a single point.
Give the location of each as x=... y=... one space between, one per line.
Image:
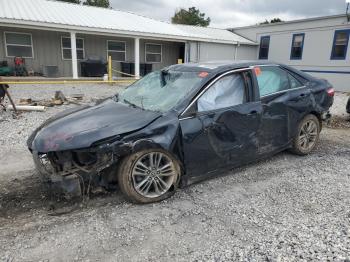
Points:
x=218 y=66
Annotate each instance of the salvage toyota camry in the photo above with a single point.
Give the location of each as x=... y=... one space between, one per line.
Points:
x=182 y=124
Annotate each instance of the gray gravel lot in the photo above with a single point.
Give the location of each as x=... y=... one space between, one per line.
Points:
x=29 y=121
x=286 y=208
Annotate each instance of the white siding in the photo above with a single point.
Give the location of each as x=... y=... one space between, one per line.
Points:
x=246 y=52
x=211 y=51
x=328 y=22
x=200 y=52
x=316 y=52
x=47 y=50
x=193 y=52
x=317 y=49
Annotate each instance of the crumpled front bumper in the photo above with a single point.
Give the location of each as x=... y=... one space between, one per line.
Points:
x=72 y=173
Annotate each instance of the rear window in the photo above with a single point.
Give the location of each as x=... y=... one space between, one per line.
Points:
x=294 y=83
x=272 y=79
x=297 y=76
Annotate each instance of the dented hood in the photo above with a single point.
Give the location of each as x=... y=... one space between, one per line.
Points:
x=81 y=128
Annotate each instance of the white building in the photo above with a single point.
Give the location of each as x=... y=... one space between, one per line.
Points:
x=41 y=32
x=318 y=46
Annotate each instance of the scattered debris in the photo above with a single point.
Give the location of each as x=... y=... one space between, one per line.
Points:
x=78 y=96
x=59 y=96
x=26 y=108
x=58 y=100
x=25 y=101
x=63 y=210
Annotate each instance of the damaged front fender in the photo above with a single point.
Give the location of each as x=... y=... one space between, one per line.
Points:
x=102 y=157
x=80 y=129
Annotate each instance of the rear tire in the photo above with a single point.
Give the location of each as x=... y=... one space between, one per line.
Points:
x=307 y=135
x=149 y=176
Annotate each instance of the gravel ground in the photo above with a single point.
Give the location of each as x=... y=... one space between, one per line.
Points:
x=286 y=208
x=340 y=119
x=27 y=122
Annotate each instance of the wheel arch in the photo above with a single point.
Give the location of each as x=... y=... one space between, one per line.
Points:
x=128 y=148
x=319 y=117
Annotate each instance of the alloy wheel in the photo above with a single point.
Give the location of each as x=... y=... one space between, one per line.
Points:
x=153 y=174
x=308 y=135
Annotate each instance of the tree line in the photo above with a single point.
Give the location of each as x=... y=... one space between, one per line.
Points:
x=99 y=3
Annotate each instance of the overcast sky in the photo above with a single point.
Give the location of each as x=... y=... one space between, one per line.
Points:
x=233 y=13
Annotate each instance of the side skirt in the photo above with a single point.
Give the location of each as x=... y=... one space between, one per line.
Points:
x=187 y=179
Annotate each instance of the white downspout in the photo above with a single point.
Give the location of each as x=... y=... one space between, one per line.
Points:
x=198 y=52
x=236 y=51
x=73 y=42
x=137 y=58
x=186 y=53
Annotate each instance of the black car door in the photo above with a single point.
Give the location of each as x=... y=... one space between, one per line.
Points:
x=284 y=100
x=299 y=103
x=222 y=131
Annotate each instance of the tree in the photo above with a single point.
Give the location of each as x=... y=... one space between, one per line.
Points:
x=275 y=20
x=99 y=3
x=192 y=16
x=71 y=1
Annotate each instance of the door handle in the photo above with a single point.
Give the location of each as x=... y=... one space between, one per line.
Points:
x=297 y=98
x=253 y=112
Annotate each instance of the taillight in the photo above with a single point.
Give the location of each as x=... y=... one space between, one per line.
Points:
x=331 y=91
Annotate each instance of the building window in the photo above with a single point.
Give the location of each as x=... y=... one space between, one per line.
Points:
x=297 y=46
x=153 y=53
x=264 y=47
x=340 y=44
x=66 y=48
x=18 y=44
x=117 y=50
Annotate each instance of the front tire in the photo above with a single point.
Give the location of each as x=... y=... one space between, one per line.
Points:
x=149 y=176
x=307 y=135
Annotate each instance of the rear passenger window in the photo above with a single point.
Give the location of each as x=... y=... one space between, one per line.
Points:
x=272 y=79
x=294 y=83
x=226 y=92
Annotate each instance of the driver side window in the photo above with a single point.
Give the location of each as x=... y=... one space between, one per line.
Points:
x=228 y=91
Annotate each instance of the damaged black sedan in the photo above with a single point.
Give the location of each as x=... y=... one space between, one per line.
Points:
x=182 y=124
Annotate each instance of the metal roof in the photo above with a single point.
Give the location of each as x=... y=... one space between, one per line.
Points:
x=214 y=33
x=66 y=16
x=310 y=19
